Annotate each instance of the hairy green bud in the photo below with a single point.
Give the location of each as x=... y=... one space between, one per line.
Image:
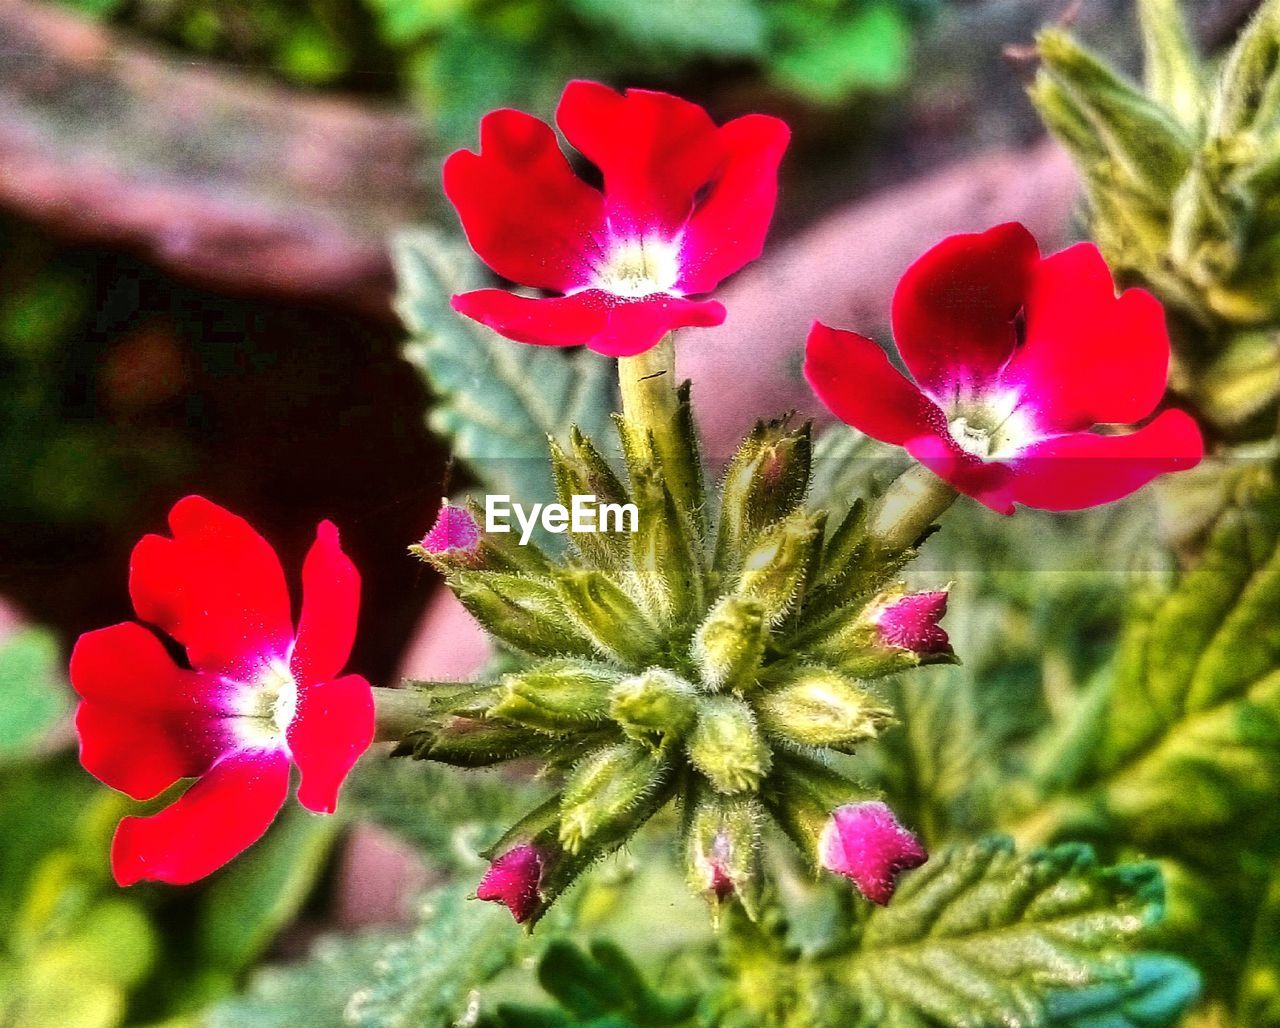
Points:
x=556 y=696
x=656 y=705
x=776 y=568
x=726 y=745
x=610 y=793
x=583 y=471
x=816 y=706
x=722 y=849
x=608 y=616
x=729 y=645
x=765 y=481
x=527 y=613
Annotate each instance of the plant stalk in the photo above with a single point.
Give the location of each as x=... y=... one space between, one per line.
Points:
x=913 y=502
x=399 y=712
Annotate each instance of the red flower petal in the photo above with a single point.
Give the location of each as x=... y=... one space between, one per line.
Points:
x=144 y=722
x=853 y=377
x=1090 y=358
x=524 y=211
x=728 y=228
x=332 y=728
x=330 y=606
x=655 y=151
x=988 y=482
x=1071 y=472
x=216 y=587
x=219 y=817
x=617 y=328
x=954 y=310
x=142 y=754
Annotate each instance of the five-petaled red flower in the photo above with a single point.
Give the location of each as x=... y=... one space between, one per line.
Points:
x=684 y=205
x=258 y=696
x=1015 y=358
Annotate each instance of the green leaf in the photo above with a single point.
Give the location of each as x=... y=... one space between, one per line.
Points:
x=33 y=695
x=716 y=28
x=262 y=891
x=497 y=400
x=1158 y=993
x=826 y=57
x=983 y=936
x=427 y=978
x=1190 y=746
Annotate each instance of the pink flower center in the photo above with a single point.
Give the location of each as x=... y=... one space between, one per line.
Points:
x=636 y=268
x=265 y=708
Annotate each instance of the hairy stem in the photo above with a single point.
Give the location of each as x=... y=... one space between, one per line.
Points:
x=915 y=500
x=399 y=712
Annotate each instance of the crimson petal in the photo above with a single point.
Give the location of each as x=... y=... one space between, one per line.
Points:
x=655 y=151
x=219 y=817
x=1084 y=469
x=955 y=309
x=1090 y=357
x=853 y=377
x=728 y=228
x=216 y=587
x=333 y=726
x=330 y=606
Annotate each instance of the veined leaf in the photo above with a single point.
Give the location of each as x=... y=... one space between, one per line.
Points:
x=497 y=401
x=982 y=936
x=1158 y=993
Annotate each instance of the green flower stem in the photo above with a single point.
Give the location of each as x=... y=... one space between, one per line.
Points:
x=915 y=500
x=399 y=712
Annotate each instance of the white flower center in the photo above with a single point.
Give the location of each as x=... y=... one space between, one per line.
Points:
x=639 y=267
x=265 y=708
x=991 y=426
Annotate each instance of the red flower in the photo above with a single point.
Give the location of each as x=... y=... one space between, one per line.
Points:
x=911 y=622
x=513 y=879
x=865 y=843
x=1015 y=358
x=684 y=205
x=259 y=695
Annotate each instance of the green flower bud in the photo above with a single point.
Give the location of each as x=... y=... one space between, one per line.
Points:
x=556 y=696
x=1151 y=148
x=765 y=481
x=1172 y=70
x=608 y=616
x=726 y=745
x=473 y=742
x=776 y=567
x=666 y=555
x=610 y=794
x=656 y=705
x=526 y=613
x=816 y=706
x=1244 y=381
x=722 y=849
x=583 y=471
x=1246 y=97
x=729 y=644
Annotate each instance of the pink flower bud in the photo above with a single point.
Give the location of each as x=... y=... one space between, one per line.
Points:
x=513 y=880
x=455 y=530
x=911 y=623
x=865 y=843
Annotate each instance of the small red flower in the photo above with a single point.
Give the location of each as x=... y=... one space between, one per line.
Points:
x=259 y=696
x=513 y=879
x=1015 y=358
x=865 y=843
x=911 y=622
x=684 y=205
x=455 y=533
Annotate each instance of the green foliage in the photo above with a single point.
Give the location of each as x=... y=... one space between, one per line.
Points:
x=33 y=695
x=497 y=403
x=599 y=989
x=1159 y=990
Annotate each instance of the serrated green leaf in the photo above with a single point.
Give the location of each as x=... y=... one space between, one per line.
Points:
x=983 y=936
x=497 y=400
x=1159 y=992
x=33 y=695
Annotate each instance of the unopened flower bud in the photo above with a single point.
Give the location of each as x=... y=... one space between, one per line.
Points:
x=583 y=471
x=609 y=616
x=656 y=705
x=454 y=540
x=609 y=794
x=722 y=852
x=556 y=695
x=526 y=612
x=729 y=644
x=774 y=569
x=665 y=554
x=816 y=706
x=865 y=843
x=512 y=880
x=764 y=482
x=911 y=623
x=726 y=745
